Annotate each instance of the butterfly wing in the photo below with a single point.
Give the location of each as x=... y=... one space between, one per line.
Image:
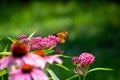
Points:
x=62 y=36
x=61 y=40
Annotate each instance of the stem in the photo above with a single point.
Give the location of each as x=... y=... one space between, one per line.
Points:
x=79 y=77
x=2 y=78
x=83 y=77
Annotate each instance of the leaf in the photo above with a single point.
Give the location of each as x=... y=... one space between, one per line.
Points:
x=72 y=77
x=5 y=53
x=62 y=66
x=47 y=51
x=11 y=39
x=3 y=72
x=5 y=49
x=53 y=75
x=103 y=69
x=31 y=35
x=65 y=56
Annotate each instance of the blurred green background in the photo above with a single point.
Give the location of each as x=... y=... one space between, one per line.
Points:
x=93 y=27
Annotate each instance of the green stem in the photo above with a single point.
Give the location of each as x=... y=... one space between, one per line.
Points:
x=2 y=78
x=83 y=77
x=79 y=77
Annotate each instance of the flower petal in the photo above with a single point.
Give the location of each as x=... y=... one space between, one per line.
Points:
x=34 y=60
x=17 y=71
x=51 y=59
x=4 y=62
x=34 y=76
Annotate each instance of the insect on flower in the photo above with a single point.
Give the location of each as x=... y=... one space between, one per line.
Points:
x=61 y=36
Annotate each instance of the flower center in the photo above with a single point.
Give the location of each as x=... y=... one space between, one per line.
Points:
x=26 y=68
x=40 y=53
x=19 y=49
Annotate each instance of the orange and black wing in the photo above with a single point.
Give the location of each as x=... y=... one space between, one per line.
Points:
x=61 y=36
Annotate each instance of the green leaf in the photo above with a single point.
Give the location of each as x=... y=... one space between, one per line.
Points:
x=53 y=75
x=65 y=56
x=11 y=39
x=5 y=53
x=62 y=66
x=103 y=69
x=72 y=77
x=47 y=51
x=5 y=49
x=3 y=72
x=31 y=35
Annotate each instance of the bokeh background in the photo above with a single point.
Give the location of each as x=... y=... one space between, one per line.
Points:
x=93 y=26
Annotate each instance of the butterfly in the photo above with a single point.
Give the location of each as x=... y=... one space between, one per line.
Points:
x=61 y=36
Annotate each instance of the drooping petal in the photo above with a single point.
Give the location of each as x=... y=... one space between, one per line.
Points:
x=40 y=74
x=4 y=62
x=51 y=59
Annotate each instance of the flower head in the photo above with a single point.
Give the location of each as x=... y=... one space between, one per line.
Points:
x=23 y=38
x=26 y=68
x=53 y=40
x=43 y=42
x=75 y=60
x=86 y=58
x=82 y=62
x=21 y=55
x=19 y=49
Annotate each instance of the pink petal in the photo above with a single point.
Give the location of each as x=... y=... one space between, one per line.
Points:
x=58 y=60
x=51 y=59
x=34 y=76
x=28 y=77
x=41 y=74
x=17 y=71
x=4 y=62
x=35 y=60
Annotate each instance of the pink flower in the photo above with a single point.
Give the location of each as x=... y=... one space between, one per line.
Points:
x=36 y=43
x=42 y=43
x=82 y=62
x=23 y=37
x=75 y=60
x=20 y=55
x=27 y=72
x=53 y=40
x=86 y=58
